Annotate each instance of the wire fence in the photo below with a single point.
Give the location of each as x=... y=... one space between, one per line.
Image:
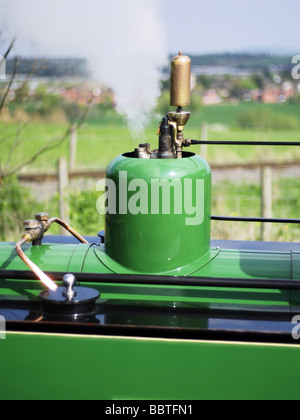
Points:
x=236 y=192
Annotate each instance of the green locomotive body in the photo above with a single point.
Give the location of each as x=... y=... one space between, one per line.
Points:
x=152 y=309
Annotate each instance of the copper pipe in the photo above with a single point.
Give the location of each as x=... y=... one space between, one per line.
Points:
x=29 y=237
x=38 y=272
x=68 y=228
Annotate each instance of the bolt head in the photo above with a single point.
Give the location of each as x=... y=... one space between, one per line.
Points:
x=42 y=217
x=69 y=281
x=31 y=224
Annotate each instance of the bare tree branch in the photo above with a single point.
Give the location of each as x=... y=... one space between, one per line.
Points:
x=52 y=144
x=1 y=172
x=7 y=90
x=35 y=68
x=17 y=142
x=9 y=49
x=19 y=139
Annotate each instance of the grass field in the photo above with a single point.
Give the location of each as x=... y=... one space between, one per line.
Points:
x=103 y=138
x=242 y=198
x=228 y=114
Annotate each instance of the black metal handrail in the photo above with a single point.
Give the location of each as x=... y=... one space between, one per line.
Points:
x=254 y=219
x=249 y=143
x=158 y=280
x=246 y=143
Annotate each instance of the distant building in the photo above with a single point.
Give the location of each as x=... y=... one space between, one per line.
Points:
x=277 y=94
x=288 y=89
x=211 y=97
x=256 y=95
x=271 y=94
x=81 y=95
x=221 y=71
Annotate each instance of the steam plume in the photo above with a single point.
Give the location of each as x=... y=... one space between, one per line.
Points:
x=124 y=42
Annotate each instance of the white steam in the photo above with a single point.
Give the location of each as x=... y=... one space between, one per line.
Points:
x=123 y=40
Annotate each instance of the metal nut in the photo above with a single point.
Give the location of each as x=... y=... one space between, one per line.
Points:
x=42 y=217
x=69 y=281
x=31 y=224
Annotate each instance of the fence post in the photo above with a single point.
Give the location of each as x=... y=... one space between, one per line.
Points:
x=266 y=202
x=204 y=137
x=63 y=186
x=73 y=146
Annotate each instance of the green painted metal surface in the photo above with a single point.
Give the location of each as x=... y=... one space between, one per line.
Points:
x=48 y=257
x=53 y=366
x=217 y=263
x=114 y=368
x=159 y=236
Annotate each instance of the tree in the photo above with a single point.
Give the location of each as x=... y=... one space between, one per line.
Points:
x=205 y=81
x=242 y=86
x=21 y=94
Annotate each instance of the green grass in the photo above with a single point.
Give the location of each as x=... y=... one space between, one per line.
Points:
x=242 y=198
x=102 y=139
x=228 y=114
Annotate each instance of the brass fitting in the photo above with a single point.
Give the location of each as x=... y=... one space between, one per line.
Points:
x=31 y=224
x=181 y=81
x=44 y=219
x=178 y=120
x=34 y=231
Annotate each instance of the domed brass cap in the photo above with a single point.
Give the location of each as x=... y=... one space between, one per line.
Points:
x=181 y=80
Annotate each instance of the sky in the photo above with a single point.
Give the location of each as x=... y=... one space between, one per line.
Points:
x=200 y=26
x=195 y=26
x=128 y=42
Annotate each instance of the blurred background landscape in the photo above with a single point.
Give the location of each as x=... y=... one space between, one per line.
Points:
x=60 y=127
